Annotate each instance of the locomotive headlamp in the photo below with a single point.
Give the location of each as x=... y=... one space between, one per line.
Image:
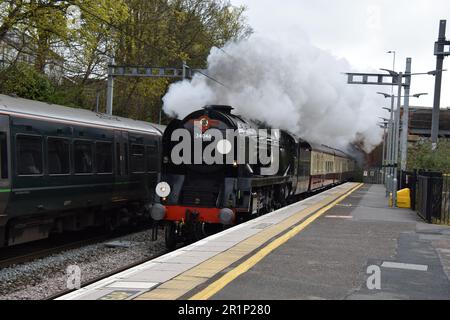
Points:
x=226 y=216
x=163 y=189
x=224 y=146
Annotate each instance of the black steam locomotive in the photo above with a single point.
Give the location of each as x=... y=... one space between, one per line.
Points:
x=64 y=169
x=200 y=196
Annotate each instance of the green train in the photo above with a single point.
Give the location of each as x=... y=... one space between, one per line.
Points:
x=65 y=169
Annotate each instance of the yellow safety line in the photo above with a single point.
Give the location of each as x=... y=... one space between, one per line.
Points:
x=219 y=284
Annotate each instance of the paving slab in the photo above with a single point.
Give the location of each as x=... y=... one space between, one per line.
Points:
x=330 y=258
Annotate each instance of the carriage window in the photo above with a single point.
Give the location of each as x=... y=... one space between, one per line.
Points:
x=152 y=158
x=29 y=155
x=58 y=156
x=125 y=151
x=104 y=157
x=137 y=158
x=118 y=165
x=3 y=156
x=83 y=156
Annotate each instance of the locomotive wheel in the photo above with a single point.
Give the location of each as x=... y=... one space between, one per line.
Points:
x=171 y=236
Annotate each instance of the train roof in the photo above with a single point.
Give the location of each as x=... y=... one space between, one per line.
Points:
x=31 y=108
x=330 y=150
x=160 y=127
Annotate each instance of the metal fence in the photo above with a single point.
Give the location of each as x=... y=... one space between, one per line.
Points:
x=430 y=193
x=445 y=208
x=373 y=176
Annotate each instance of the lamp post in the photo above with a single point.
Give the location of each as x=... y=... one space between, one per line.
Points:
x=391 y=137
x=384 y=125
x=393 y=66
x=393 y=153
x=389 y=152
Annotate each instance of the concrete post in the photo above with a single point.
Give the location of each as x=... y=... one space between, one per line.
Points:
x=396 y=139
x=405 y=122
x=390 y=149
x=438 y=85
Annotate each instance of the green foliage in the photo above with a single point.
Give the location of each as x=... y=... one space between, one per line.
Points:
x=24 y=81
x=164 y=33
x=421 y=156
x=81 y=36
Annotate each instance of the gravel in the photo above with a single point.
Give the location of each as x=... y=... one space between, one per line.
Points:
x=47 y=276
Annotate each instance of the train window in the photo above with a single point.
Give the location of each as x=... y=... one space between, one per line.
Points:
x=3 y=156
x=29 y=155
x=104 y=157
x=82 y=156
x=125 y=149
x=137 y=158
x=152 y=158
x=58 y=156
x=118 y=156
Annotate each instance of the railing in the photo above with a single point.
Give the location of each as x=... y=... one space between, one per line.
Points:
x=445 y=209
x=373 y=176
x=430 y=193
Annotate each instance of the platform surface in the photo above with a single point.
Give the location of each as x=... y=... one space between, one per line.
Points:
x=325 y=247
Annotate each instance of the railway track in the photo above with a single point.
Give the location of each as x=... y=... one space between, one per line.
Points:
x=40 y=249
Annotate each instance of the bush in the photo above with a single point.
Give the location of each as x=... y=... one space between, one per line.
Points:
x=24 y=81
x=421 y=157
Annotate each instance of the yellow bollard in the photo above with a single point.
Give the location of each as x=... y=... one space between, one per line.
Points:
x=404 y=199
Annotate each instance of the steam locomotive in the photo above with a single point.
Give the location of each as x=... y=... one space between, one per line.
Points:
x=64 y=169
x=199 y=197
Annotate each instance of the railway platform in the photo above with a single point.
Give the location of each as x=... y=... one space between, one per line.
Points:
x=344 y=243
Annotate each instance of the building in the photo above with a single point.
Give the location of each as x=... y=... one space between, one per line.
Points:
x=420 y=120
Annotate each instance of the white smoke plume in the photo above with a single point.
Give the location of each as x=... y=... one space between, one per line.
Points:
x=289 y=85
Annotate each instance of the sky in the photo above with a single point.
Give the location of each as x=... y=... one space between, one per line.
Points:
x=362 y=31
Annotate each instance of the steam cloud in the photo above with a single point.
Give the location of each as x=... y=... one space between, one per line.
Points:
x=289 y=85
